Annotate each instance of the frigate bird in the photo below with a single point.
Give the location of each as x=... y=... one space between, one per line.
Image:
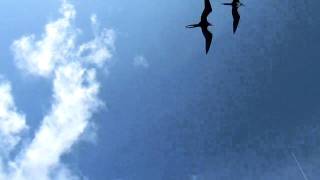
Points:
x=235 y=13
x=204 y=24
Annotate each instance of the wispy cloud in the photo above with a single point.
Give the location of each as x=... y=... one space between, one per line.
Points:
x=55 y=55
x=12 y=122
x=75 y=99
x=40 y=57
x=98 y=51
x=141 y=61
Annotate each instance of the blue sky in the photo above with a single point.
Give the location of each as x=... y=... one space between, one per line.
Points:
x=120 y=90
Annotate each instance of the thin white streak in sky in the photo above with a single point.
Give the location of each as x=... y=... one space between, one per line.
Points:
x=299 y=165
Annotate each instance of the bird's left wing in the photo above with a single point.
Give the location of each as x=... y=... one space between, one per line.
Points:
x=236 y=18
x=208 y=37
x=207 y=10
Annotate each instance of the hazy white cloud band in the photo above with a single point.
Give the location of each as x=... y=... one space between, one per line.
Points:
x=55 y=55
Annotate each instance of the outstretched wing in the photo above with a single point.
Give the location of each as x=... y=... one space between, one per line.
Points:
x=208 y=37
x=207 y=10
x=236 y=18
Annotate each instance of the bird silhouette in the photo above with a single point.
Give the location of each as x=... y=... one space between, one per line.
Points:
x=235 y=13
x=203 y=24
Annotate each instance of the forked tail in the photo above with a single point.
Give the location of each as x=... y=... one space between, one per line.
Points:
x=231 y=4
x=192 y=26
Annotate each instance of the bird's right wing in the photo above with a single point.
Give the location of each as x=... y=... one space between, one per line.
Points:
x=208 y=37
x=207 y=10
x=236 y=18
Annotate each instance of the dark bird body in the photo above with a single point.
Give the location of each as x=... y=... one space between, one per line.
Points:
x=204 y=24
x=235 y=13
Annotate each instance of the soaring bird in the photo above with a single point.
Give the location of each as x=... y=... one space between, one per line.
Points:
x=236 y=16
x=204 y=24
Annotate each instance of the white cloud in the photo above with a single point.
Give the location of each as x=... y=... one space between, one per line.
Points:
x=75 y=93
x=12 y=123
x=57 y=46
x=75 y=99
x=42 y=56
x=93 y=19
x=141 y=61
x=97 y=51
